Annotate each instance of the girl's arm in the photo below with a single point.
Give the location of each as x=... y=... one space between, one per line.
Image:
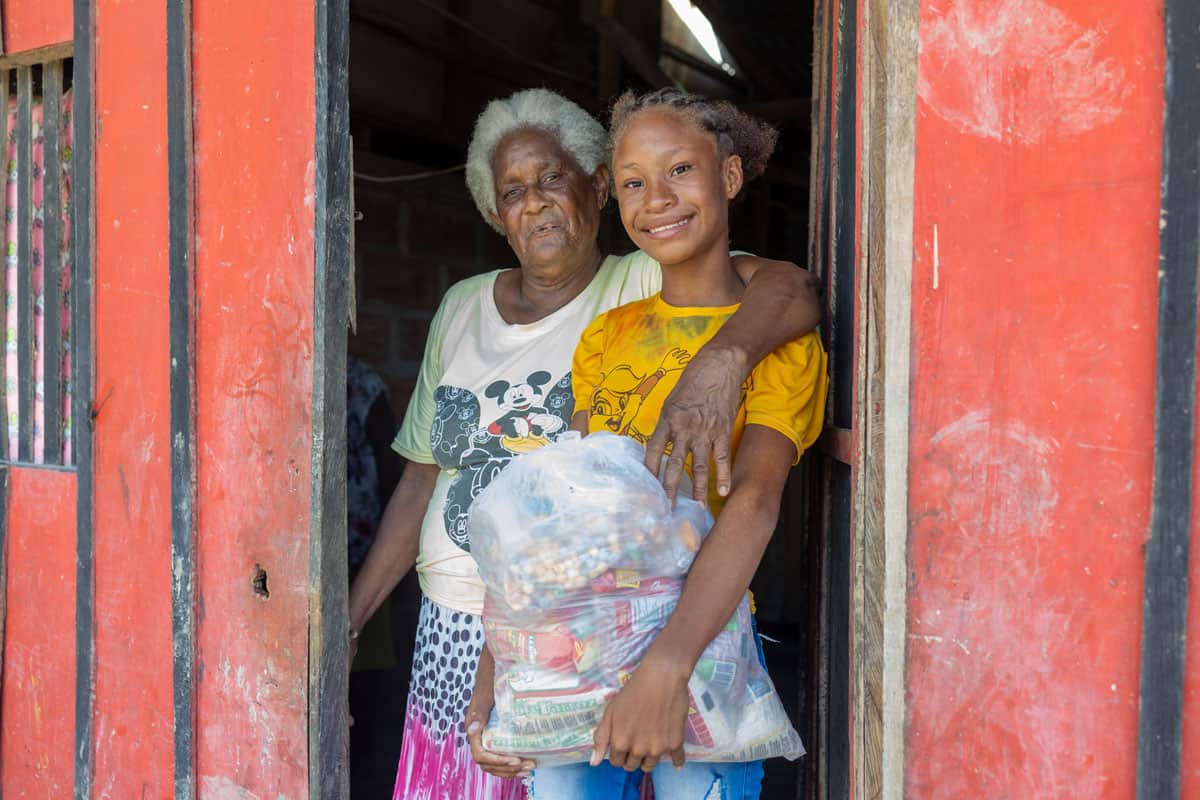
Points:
x=394 y=550
x=780 y=304
x=645 y=720
x=579 y=423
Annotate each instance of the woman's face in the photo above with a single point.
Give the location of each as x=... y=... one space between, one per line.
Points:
x=547 y=205
x=673 y=187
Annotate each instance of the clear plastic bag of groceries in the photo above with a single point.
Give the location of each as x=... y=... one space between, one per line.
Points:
x=584 y=559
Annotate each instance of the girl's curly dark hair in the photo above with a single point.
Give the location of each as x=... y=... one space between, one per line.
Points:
x=737 y=132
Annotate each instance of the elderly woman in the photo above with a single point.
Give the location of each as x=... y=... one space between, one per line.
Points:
x=495 y=383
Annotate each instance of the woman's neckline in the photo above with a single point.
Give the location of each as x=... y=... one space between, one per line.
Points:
x=550 y=319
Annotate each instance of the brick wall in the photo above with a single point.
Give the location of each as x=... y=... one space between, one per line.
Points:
x=415 y=239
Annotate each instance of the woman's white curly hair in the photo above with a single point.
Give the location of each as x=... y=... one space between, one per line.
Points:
x=579 y=132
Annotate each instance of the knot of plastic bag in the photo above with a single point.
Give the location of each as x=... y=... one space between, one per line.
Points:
x=573 y=518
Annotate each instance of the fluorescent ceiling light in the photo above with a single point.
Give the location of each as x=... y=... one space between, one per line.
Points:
x=702 y=29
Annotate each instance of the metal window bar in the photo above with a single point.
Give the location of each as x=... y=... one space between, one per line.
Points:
x=52 y=250
x=4 y=404
x=25 y=300
x=34 y=404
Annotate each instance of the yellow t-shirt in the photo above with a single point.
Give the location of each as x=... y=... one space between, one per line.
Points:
x=629 y=359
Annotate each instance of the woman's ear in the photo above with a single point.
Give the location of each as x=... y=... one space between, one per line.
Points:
x=600 y=184
x=494 y=217
x=732 y=175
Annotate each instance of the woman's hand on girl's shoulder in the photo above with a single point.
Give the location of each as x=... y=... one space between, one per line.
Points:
x=696 y=420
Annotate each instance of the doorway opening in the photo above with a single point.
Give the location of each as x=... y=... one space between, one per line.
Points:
x=420 y=73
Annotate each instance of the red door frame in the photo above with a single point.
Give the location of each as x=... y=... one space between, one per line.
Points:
x=1168 y=722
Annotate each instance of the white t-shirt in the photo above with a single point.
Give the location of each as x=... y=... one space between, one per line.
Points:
x=488 y=391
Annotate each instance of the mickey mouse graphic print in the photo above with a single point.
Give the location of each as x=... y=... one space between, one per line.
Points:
x=488 y=392
x=529 y=418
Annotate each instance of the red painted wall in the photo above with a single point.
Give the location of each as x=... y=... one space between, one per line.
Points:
x=254 y=143
x=29 y=24
x=253 y=168
x=1034 y=303
x=37 y=739
x=133 y=722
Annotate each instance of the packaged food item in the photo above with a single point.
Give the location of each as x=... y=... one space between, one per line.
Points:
x=584 y=559
x=553 y=649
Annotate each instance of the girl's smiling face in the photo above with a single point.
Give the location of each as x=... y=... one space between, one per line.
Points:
x=673 y=187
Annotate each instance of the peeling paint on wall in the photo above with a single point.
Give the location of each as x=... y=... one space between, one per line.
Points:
x=997 y=478
x=254 y=362
x=38 y=689
x=1017 y=70
x=996 y=627
x=219 y=788
x=1032 y=394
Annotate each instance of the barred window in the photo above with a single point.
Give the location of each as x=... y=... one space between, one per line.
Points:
x=36 y=402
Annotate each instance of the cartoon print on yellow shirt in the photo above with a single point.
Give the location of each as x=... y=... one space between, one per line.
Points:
x=622 y=394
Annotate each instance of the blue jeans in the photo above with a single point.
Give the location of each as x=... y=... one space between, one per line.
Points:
x=697 y=780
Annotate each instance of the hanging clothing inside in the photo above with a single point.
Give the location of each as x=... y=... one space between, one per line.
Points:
x=13 y=217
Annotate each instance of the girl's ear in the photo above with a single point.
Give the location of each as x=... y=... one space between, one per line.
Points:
x=600 y=184
x=731 y=174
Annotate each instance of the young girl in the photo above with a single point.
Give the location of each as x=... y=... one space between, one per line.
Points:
x=678 y=162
